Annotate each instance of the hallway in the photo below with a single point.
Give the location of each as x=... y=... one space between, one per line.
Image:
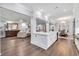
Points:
x=15 y=47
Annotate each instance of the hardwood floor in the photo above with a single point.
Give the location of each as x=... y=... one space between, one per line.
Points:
x=22 y=47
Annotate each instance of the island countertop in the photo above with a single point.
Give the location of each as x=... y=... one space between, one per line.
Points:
x=44 y=33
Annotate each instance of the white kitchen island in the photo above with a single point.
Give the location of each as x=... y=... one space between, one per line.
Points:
x=43 y=40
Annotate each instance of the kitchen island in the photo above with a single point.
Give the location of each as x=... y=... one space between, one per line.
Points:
x=43 y=40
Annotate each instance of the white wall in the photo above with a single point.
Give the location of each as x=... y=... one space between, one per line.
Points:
x=77 y=20
x=33 y=25
x=1 y=24
x=71 y=30
x=2 y=30
x=77 y=26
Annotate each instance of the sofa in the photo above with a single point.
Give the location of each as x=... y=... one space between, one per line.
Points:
x=23 y=34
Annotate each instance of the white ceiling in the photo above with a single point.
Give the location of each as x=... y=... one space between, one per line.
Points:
x=54 y=9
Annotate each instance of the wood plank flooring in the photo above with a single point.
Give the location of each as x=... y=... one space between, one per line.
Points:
x=22 y=47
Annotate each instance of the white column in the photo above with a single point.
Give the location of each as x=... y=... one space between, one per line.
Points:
x=33 y=24
x=74 y=15
x=47 y=26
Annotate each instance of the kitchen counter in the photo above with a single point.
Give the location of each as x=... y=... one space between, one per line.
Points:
x=41 y=33
x=43 y=40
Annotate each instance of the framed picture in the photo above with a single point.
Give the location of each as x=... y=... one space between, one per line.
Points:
x=12 y=26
